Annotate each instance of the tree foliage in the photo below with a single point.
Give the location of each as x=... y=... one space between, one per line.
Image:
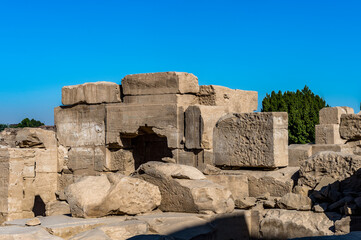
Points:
x=29 y=123
x=302 y=107
x=3 y=126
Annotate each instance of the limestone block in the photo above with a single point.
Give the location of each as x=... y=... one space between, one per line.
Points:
x=160 y=83
x=199 y=124
x=85 y=158
x=237 y=101
x=286 y=224
x=328 y=134
x=81 y=125
x=336 y=165
x=91 y=93
x=164 y=120
x=350 y=127
x=326 y=147
x=332 y=115
x=116 y=160
x=297 y=153
x=237 y=184
x=36 y=138
x=28 y=194
x=7 y=137
x=16 y=232
x=251 y=140
x=46 y=160
x=57 y=208
x=179 y=99
x=293 y=201
x=46 y=186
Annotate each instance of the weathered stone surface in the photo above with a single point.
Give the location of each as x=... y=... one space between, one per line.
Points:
x=350 y=127
x=331 y=164
x=316 y=148
x=164 y=170
x=35 y=138
x=7 y=137
x=199 y=124
x=33 y=222
x=85 y=196
x=91 y=93
x=208 y=169
x=238 y=101
x=46 y=160
x=277 y=182
x=237 y=184
x=292 y=201
x=193 y=157
x=116 y=160
x=332 y=115
x=94 y=234
x=85 y=158
x=128 y=120
x=183 y=100
x=81 y=125
x=57 y=208
x=328 y=134
x=245 y=203
x=16 y=232
x=192 y=196
x=251 y=140
x=297 y=153
x=285 y=224
x=131 y=196
x=160 y=83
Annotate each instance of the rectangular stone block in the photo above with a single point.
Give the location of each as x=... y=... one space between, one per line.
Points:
x=237 y=184
x=91 y=93
x=127 y=119
x=46 y=186
x=297 y=153
x=199 y=124
x=160 y=83
x=332 y=115
x=46 y=160
x=350 y=127
x=237 y=101
x=81 y=125
x=328 y=134
x=85 y=158
x=180 y=99
x=251 y=140
x=326 y=147
x=119 y=160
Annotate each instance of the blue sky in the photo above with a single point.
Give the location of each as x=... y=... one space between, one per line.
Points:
x=260 y=45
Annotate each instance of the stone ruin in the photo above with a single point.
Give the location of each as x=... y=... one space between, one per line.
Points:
x=182 y=161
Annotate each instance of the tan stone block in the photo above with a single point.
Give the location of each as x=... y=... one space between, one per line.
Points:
x=328 y=134
x=29 y=171
x=85 y=157
x=160 y=83
x=46 y=160
x=28 y=194
x=251 y=140
x=332 y=115
x=36 y=138
x=237 y=184
x=164 y=120
x=297 y=153
x=237 y=101
x=180 y=99
x=116 y=160
x=64 y=180
x=350 y=127
x=81 y=125
x=199 y=124
x=63 y=157
x=326 y=147
x=91 y=93
x=46 y=186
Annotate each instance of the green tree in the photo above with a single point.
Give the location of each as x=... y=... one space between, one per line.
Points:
x=302 y=108
x=3 y=126
x=29 y=123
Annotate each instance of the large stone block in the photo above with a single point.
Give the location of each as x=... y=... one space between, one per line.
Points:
x=350 y=127
x=237 y=184
x=328 y=134
x=193 y=157
x=180 y=99
x=85 y=158
x=251 y=140
x=35 y=137
x=332 y=115
x=81 y=125
x=127 y=120
x=46 y=160
x=119 y=160
x=237 y=101
x=297 y=153
x=316 y=148
x=91 y=93
x=199 y=124
x=160 y=83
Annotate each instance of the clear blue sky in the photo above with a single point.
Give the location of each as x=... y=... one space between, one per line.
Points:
x=259 y=45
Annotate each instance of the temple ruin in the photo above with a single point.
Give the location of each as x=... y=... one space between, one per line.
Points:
x=160 y=142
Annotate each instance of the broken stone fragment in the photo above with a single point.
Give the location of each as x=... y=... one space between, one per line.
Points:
x=33 y=222
x=350 y=127
x=292 y=201
x=35 y=138
x=57 y=208
x=245 y=203
x=91 y=93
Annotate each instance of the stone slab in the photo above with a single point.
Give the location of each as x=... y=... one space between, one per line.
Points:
x=251 y=140
x=332 y=115
x=81 y=125
x=297 y=153
x=91 y=93
x=237 y=101
x=237 y=184
x=328 y=134
x=160 y=83
x=326 y=147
